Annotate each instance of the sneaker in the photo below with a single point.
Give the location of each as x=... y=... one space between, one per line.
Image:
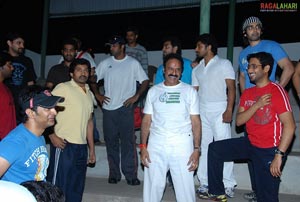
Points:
x=202 y=189
x=252 y=200
x=229 y=191
x=213 y=197
x=250 y=195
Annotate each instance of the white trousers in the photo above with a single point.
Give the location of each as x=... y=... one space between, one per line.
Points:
x=169 y=153
x=214 y=129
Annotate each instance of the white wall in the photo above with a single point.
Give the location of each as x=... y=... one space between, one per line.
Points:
x=155 y=57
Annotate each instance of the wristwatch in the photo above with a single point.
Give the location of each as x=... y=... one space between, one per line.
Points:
x=277 y=151
x=198 y=149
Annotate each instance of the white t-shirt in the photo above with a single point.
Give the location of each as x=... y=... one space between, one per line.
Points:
x=171 y=108
x=13 y=192
x=120 y=77
x=211 y=81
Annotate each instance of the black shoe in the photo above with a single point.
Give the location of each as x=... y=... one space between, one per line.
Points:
x=113 y=180
x=133 y=182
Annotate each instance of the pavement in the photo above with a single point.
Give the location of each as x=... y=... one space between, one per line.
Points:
x=99 y=190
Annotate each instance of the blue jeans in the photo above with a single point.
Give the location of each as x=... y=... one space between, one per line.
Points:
x=267 y=186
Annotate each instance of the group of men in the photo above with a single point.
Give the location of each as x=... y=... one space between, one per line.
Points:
x=186 y=125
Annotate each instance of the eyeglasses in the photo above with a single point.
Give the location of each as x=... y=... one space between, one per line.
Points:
x=254 y=27
x=253 y=66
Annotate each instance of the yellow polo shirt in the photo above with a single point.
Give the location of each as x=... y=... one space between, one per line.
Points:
x=78 y=106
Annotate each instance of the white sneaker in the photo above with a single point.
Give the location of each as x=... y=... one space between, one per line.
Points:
x=229 y=191
x=202 y=189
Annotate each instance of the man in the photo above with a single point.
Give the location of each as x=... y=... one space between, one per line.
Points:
x=60 y=73
x=23 y=152
x=23 y=74
x=214 y=78
x=173 y=45
x=134 y=49
x=267 y=113
x=252 y=32
x=120 y=73
x=7 y=106
x=172 y=124
x=73 y=133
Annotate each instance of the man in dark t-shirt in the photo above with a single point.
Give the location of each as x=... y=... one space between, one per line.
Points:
x=23 y=74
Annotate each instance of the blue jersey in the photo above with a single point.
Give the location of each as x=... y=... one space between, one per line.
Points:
x=186 y=76
x=27 y=155
x=268 y=46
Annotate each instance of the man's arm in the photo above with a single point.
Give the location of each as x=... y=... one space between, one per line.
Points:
x=145 y=132
x=130 y=101
x=296 y=79
x=242 y=81
x=243 y=116
x=227 y=115
x=4 y=165
x=196 y=128
x=90 y=140
x=288 y=131
x=287 y=71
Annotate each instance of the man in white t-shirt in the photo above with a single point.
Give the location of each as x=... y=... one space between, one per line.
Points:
x=120 y=73
x=214 y=78
x=171 y=127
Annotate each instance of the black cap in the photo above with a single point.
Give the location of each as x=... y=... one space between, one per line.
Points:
x=43 y=99
x=116 y=39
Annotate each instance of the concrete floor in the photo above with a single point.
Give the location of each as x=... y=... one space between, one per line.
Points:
x=98 y=190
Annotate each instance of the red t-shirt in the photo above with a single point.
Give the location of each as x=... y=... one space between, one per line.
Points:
x=7 y=111
x=264 y=127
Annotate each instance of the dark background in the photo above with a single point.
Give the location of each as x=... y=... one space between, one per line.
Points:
x=26 y=17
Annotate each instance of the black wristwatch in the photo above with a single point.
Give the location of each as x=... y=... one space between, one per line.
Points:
x=277 y=151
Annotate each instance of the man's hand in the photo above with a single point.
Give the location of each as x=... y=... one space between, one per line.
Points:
x=145 y=159
x=57 y=141
x=227 y=116
x=263 y=100
x=194 y=160
x=131 y=101
x=102 y=99
x=275 y=167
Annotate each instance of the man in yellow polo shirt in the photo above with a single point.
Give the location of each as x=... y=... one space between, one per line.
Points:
x=73 y=133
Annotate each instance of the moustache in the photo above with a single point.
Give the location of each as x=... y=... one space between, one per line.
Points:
x=82 y=77
x=173 y=75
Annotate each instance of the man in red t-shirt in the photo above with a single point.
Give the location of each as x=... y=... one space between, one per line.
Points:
x=266 y=111
x=7 y=106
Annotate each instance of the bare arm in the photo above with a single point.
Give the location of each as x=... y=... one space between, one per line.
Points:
x=100 y=98
x=130 y=101
x=288 y=122
x=90 y=140
x=4 y=165
x=227 y=115
x=288 y=70
x=242 y=81
x=145 y=132
x=196 y=128
x=296 y=79
x=243 y=116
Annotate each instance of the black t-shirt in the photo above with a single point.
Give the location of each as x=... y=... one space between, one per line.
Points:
x=58 y=74
x=22 y=74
